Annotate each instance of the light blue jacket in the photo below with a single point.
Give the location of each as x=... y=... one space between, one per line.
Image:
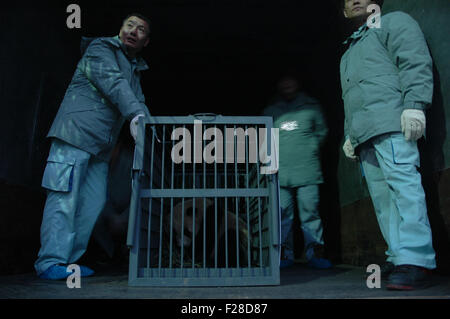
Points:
x=104 y=92
x=384 y=71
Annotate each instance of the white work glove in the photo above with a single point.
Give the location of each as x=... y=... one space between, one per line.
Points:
x=413 y=124
x=348 y=150
x=134 y=125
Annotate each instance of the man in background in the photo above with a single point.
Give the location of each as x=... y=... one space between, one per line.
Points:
x=302 y=132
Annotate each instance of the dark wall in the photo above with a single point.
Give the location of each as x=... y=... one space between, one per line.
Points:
x=37 y=59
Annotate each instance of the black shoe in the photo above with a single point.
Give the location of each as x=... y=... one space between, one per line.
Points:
x=386 y=269
x=409 y=277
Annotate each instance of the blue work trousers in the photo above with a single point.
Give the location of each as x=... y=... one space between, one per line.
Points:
x=390 y=164
x=307 y=200
x=76 y=192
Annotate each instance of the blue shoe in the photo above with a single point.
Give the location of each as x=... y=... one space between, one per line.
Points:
x=59 y=272
x=86 y=271
x=55 y=272
x=319 y=263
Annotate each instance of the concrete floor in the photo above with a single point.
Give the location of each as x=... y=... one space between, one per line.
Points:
x=297 y=282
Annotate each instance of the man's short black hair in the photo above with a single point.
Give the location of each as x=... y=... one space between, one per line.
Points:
x=140 y=16
x=379 y=2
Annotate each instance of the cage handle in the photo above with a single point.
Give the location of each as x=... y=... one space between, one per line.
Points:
x=200 y=116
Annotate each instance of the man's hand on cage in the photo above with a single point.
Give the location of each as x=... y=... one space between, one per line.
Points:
x=134 y=125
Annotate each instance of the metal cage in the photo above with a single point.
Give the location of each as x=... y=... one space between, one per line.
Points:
x=203 y=212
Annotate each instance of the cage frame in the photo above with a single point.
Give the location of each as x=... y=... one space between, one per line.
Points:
x=191 y=277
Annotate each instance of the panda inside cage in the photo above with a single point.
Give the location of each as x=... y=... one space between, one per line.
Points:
x=203 y=214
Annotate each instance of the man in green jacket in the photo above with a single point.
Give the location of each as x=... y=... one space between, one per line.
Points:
x=387 y=83
x=105 y=91
x=302 y=130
